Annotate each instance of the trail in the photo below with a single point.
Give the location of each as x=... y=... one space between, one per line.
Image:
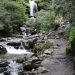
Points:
x=58 y=63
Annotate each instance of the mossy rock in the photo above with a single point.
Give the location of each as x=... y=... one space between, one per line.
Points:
x=46 y=45
x=2 y=40
x=2 y=50
x=36 y=49
x=26 y=44
x=42 y=47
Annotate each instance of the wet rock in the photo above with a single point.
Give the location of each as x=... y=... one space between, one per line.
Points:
x=20 y=60
x=33 y=31
x=6 y=73
x=16 y=47
x=31 y=73
x=42 y=70
x=19 y=36
x=14 y=43
x=2 y=69
x=21 y=73
x=3 y=39
x=29 y=65
x=25 y=43
x=3 y=64
x=2 y=50
x=29 y=43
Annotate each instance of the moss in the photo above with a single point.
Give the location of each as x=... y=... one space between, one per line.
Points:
x=2 y=50
x=2 y=40
x=46 y=45
x=37 y=48
x=42 y=47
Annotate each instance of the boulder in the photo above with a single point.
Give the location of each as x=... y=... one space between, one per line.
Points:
x=33 y=31
x=16 y=47
x=13 y=43
x=20 y=60
x=19 y=36
x=32 y=73
x=31 y=64
x=21 y=73
x=49 y=52
x=28 y=66
x=6 y=73
x=3 y=39
x=22 y=28
x=3 y=64
x=51 y=37
x=2 y=69
x=25 y=43
x=35 y=59
x=2 y=50
x=42 y=70
x=29 y=43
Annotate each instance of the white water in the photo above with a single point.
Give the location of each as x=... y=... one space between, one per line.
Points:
x=12 y=50
x=33 y=8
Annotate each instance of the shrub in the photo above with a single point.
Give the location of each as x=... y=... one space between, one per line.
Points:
x=42 y=47
x=68 y=30
x=70 y=35
x=44 y=22
x=46 y=45
x=12 y=15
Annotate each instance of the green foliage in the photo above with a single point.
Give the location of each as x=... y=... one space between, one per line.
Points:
x=68 y=30
x=46 y=45
x=43 y=47
x=72 y=34
x=12 y=15
x=44 y=22
x=20 y=1
x=44 y=5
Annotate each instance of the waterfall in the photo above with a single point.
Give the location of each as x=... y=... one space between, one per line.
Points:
x=33 y=8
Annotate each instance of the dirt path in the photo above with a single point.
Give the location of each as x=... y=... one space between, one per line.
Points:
x=58 y=63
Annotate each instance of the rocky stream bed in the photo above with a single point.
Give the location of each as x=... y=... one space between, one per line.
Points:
x=18 y=58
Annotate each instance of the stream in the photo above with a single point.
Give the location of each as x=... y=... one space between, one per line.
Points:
x=12 y=55
x=13 y=68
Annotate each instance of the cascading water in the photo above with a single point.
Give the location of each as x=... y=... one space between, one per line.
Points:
x=33 y=8
x=12 y=53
